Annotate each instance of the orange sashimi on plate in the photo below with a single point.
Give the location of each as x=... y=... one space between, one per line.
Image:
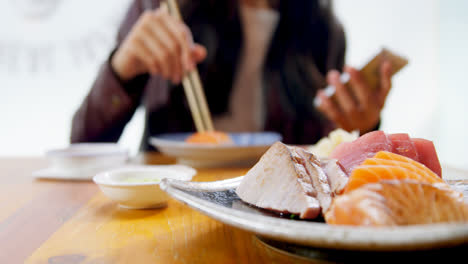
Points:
x=389 y=166
x=390 y=189
x=209 y=137
x=398 y=202
x=378 y=179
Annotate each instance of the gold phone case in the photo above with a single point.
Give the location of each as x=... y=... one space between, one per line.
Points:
x=371 y=71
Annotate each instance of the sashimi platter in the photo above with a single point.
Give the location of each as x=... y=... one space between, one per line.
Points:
x=375 y=192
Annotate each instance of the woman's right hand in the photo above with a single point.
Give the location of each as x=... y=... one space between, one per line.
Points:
x=157 y=44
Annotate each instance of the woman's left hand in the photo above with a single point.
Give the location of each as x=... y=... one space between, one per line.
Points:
x=357 y=108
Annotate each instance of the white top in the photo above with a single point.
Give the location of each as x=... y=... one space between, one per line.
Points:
x=246 y=112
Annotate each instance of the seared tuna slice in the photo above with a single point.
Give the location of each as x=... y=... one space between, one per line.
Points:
x=280 y=182
x=319 y=179
x=337 y=178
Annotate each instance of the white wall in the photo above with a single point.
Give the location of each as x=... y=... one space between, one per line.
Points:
x=409 y=28
x=428 y=97
x=48 y=63
x=453 y=118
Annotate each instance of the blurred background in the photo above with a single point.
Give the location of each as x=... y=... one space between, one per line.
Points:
x=51 y=50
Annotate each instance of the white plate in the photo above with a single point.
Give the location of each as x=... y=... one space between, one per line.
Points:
x=82 y=161
x=137 y=187
x=248 y=148
x=219 y=201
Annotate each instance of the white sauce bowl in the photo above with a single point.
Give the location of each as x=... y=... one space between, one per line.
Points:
x=137 y=187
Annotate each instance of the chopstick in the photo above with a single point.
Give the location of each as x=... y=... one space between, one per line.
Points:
x=193 y=88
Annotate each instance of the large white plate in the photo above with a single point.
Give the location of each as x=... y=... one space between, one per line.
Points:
x=219 y=201
x=248 y=148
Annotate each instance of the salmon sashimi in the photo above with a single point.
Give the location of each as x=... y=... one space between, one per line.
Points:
x=374 y=173
x=209 y=137
x=393 y=167
x=421 y=174
x=398 y=202
x=412 y=166
x=395 y=157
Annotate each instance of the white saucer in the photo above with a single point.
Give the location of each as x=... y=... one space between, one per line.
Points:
x=82 y=161
x=57 y=173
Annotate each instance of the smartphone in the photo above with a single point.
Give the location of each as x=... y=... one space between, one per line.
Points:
x=371 y=71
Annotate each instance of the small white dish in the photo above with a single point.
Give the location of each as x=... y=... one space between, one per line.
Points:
x=137 y=187
x=82 y=161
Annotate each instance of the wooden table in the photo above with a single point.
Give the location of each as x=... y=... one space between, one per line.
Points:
x=73 y=222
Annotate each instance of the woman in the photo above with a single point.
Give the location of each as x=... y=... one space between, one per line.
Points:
x=262 y=63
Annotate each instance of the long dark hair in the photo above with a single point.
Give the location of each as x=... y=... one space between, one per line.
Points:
x=303 y=30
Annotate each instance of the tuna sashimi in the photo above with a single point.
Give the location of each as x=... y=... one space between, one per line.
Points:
x=428 y=155
x=278 y=182
x=403 y=145
x=398 y=202
x=351 y=154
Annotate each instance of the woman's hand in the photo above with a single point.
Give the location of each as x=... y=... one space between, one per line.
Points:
x=157 y=44
x=357 y=108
